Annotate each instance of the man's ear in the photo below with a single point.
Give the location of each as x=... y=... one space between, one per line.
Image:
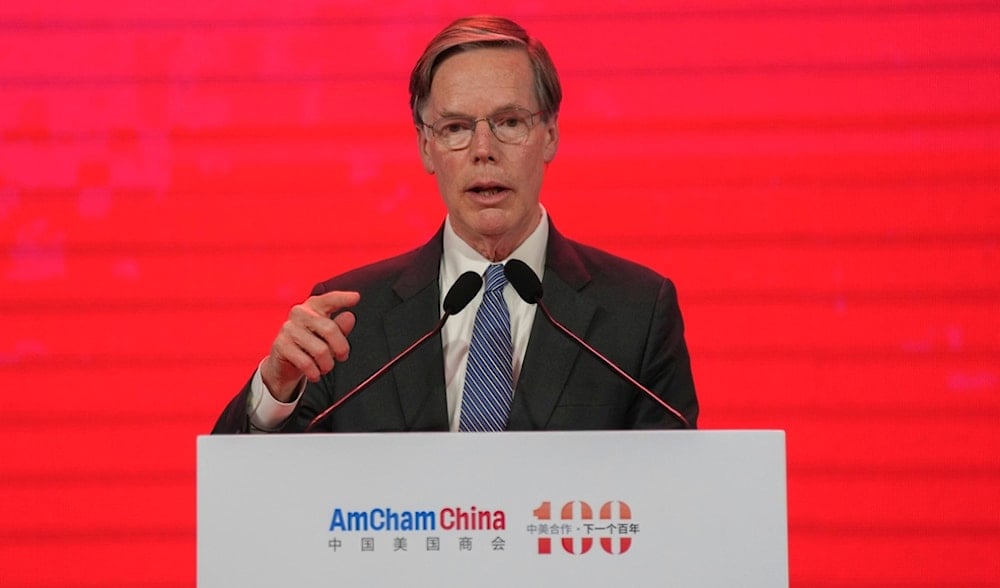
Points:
x=424 y=145
x=551 y=139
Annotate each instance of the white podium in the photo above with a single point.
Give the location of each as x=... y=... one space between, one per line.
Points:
x=632 y=508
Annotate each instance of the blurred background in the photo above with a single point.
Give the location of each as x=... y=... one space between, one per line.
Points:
x=821 y=180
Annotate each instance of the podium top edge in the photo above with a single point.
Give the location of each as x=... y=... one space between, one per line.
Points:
x=512 y=434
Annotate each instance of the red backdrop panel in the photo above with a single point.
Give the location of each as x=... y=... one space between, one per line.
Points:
x=820 y=179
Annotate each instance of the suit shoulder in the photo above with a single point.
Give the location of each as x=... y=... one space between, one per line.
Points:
x=408 y=271
x=368 y=276
x=602 y=264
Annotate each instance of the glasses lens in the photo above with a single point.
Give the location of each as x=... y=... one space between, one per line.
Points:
x=453 y=131
x=511 y=126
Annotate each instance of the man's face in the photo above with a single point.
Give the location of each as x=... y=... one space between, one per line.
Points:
x=491 y=189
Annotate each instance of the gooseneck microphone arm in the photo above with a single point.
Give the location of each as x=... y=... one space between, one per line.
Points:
x=529 y=288
x=458 y=297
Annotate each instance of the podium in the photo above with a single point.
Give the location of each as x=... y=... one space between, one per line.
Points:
x=631 y=508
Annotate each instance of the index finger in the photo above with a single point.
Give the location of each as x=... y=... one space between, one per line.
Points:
x=333 y=301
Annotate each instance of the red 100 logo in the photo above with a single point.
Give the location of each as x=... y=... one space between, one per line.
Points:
x=576 y=527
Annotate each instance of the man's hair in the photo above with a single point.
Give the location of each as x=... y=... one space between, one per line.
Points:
x=477 y=32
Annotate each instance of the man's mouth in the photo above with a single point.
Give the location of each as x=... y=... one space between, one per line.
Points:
x=488 y=190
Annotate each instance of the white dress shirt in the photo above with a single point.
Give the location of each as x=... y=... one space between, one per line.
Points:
x=267 y=414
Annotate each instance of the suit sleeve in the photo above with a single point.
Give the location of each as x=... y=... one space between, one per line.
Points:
x=666 y=367
x=233 y=419
x=236 y=420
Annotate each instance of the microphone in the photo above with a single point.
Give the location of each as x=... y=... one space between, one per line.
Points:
x=529 y=288
x=458 y=297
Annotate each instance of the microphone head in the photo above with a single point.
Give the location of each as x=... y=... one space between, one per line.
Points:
x=462 y=292
x=524 y=280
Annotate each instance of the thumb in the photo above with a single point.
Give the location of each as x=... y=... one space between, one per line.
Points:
x=346 y=321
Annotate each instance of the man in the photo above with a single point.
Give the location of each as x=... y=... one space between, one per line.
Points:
x=485 y=98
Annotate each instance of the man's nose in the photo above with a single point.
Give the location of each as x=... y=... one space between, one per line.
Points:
x=483 y=139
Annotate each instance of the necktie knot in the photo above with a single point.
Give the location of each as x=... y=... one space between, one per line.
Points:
x=495 y=278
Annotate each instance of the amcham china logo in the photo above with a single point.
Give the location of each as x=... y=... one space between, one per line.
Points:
x=428 y=530
x=574 y=528
x=444 y=519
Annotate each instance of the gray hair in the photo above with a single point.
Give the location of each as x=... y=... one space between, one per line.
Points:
x=477 y=32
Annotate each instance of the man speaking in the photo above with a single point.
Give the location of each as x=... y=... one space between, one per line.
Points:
x=606 y=350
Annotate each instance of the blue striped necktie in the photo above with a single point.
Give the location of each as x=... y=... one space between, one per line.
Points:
x=489 y=379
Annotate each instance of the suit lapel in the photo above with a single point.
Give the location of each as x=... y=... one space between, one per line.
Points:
x=421 y=384
x=548 y=360
x=550 y=356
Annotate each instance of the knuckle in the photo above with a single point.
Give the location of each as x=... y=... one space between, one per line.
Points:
x=328 y=330
x=300 y=313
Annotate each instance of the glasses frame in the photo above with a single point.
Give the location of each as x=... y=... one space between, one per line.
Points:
x=474 y=122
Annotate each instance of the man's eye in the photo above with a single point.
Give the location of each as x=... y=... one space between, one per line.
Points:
x=511 y=121
x=452 y=127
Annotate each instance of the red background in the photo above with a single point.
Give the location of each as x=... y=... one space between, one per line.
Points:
x=819 y=178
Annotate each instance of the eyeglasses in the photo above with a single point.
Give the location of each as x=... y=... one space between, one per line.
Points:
x=508 y=126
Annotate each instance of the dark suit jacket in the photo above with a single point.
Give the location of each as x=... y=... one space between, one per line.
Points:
x=628 y=312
